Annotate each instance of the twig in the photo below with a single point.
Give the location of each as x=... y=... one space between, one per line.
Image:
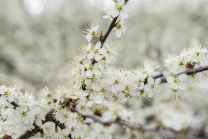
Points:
x=112 y=25
x=49 y=118
x=188 y=72
x=166 y=134
x=110 y=28
x=14 y=104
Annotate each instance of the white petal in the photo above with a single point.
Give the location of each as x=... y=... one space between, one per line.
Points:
x=120 y=87
x=97 y=57
x=102 y=51
x=175 y=86
x=147 y=87
x=87 y=81
x=88 y=37
x=113 y=88
x=115 y=13
x=169 y=79
x=182 y=77
x=150 y=80
x=118 y=33
x=120 y=2
x=98 y=127
x=123 y=29
x=89 y=46
x=24 y=108
x=96 y=71
x=106 y=16
x=124 y=14
x=150 y=94
x=95 y=28
x=89 y=73
x=10 y=98
x=90 y=55
x=183 y=85
x=3 y=100
x=98 y=44
x=158 y=89
x=165 y=73
x=157 y=81
x=65 y=131
x=38 y=122
x=110 y=81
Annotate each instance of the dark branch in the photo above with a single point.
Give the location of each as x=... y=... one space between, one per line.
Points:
x=158 y=76
x=163 y=133
x=193 y=71
x=188 y=72
x=14 y=104
x=103 y=39
x=49 y=118
x=112 y=25
x=28 y=134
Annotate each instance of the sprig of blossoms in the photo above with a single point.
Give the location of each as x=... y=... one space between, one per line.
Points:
x=23 y=116
x=188 y=59
x=95 y=87
x=118 y=10
x=91 y=31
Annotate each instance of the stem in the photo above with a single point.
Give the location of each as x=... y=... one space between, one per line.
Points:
x=188 y=72
x=163 y=133
x=110 y=28
x=49 y=118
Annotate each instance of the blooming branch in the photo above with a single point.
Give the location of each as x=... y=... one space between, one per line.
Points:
x=188 y=72
x=166 y=134
x=92 y=102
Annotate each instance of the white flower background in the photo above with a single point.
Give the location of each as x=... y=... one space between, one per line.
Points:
x=38 y=40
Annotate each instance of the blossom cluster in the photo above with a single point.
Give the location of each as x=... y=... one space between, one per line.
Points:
x=15 y=120
x=119 y=11
x=95 y=87
x=188 y=59
x=31 y=112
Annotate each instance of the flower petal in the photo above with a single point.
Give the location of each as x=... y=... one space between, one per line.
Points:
x=150 y=94
x=169 y=79
x=89 y=73
x=182 y=77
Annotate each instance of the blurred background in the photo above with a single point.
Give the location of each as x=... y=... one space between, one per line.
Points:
x=39 y=37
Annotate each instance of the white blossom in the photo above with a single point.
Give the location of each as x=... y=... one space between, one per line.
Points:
x=91 y=31
x=120 y=28
x=152 y=86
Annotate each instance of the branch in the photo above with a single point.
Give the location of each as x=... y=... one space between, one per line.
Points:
x=188 y=72
x=112 y=25
x=163 y=133
x=196 y=70
x=49 y=118
x=110 y=28
x=14 y=104
x=103 y=39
